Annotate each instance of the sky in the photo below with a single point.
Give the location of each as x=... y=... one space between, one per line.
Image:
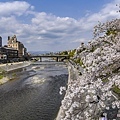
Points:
x=54 y=25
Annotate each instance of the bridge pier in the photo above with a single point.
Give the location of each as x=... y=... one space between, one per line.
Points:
x=56 y=59
x=40 y=59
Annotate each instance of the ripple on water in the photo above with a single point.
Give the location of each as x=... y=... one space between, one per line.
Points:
x=35 y=96
x=34 y=81
x=36 y=68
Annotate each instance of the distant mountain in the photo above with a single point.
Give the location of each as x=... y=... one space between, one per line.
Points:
x=38 y=52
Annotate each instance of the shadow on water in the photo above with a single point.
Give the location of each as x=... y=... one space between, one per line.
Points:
x=35 y=93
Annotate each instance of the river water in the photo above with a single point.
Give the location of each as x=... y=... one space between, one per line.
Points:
x=34 y=93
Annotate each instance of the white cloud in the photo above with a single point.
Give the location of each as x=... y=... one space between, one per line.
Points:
x=47 y=31
x=79 y=40
x=16 y=7
x=108 y=12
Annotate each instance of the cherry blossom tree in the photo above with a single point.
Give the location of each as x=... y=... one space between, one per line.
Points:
x=94 y=81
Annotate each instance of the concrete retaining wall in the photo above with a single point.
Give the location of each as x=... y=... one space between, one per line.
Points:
x=12 y=66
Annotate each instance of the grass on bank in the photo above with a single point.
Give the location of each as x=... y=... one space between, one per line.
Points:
x=2 y=73
x=1 y=76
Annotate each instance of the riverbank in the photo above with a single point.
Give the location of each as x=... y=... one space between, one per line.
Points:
x=10 y=67
x=73 y=71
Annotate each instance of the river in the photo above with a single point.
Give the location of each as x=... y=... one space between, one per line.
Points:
x=34 y=93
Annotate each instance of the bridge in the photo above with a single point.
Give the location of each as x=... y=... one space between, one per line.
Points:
x=58 y=57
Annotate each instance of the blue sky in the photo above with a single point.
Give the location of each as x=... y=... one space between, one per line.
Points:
x=53 y=25
x=69 y=8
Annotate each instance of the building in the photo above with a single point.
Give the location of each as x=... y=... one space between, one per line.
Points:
x=7 y=54
x=0 y=41
x=14 y=43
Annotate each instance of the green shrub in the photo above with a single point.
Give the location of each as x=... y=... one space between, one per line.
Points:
x=105 y=80
x=78 y=61
x=71 y=53
x=116 y=89
x=110 y=31
x=93 y=49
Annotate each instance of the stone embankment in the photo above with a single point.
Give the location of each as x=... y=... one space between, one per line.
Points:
x=12 y=66
x=9 y=67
